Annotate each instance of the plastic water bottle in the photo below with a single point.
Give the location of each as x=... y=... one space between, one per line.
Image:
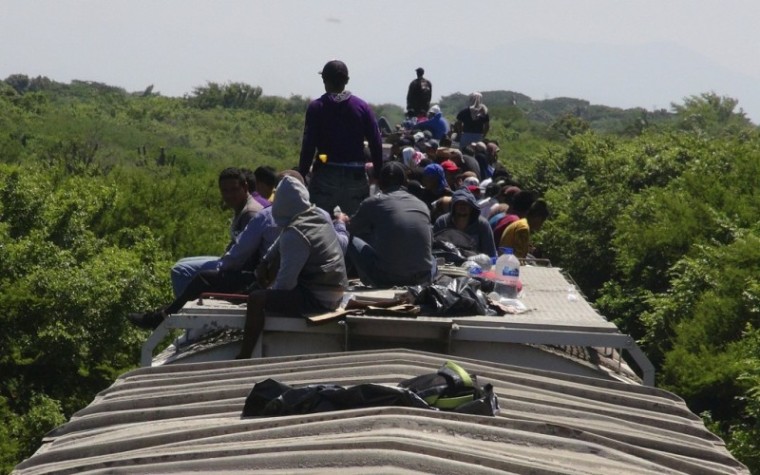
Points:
x=472 y=267
x=507 y=274
x=483 y=260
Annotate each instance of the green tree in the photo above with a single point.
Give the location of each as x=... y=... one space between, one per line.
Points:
x=710 y=113
x=235 y=95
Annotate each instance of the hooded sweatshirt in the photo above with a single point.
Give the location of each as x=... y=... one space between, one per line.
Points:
x=310 y=254
x=436 y=124
x=478 y=228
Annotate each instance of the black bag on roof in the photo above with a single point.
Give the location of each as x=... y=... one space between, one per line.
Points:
x=451 y=297
x=451 y=388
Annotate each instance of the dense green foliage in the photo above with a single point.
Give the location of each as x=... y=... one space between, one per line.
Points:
x=654 y=214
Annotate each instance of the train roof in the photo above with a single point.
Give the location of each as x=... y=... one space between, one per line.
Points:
x=570 y=402
x=187 y=418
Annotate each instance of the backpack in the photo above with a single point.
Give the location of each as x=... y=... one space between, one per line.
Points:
x=452 y=388
x=453 y=245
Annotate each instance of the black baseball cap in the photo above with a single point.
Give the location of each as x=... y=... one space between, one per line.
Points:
x=335 y=70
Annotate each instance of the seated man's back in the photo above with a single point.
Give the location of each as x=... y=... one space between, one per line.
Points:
x=397 y=227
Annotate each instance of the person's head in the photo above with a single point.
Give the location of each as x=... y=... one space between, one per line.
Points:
x=492 y=151
x=508 y=194
x=424 y=161
x=445 y=142
x=460 y=209
x=477 y=108
x=266 y=180
x=406 y=155
x=479 y=147
x=470 y=178
x=420 y=72
x=335 y=76
x=457 y=157
x=290 y=199
x=250 y=179
x=291 y=173
x=392 y=177
x=434 y=109
x=464 y=207
x=431 y=148
x=233 y=188
x=441 y=206
x=493 y=189
x=434 y=178
x=521 y=203
x=475 y=99
x=452 y=170
x=442 y=154
x=537 y=215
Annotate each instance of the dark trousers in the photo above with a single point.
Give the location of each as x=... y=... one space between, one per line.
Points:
x=334 y=185
x=364 y=259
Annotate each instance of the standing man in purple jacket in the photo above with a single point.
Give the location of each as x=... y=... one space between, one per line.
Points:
x=336 y=127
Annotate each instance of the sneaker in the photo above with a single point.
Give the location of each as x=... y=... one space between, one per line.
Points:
x=147 y=320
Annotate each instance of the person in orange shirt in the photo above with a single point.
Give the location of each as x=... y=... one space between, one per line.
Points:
x=517 y=234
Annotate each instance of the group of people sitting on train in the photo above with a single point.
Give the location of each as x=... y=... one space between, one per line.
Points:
x=291 y=250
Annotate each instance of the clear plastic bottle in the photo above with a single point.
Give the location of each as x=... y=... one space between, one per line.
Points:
x=472 y=267
x=483 y=260
x=507 y=274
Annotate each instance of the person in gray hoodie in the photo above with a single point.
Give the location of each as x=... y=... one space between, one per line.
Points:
x=465 y=218
x=311 y=274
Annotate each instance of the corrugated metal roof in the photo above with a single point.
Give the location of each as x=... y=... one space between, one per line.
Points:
x=186 y=418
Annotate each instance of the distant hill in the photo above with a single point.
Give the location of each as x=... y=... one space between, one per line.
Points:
x=601 y=118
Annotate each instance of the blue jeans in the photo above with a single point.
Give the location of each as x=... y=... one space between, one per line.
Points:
x=335 y=185
x=467 y=138
x=185 y=269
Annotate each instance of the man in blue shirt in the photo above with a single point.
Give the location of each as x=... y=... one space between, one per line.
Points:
x=436 y=123
x=235 y=192
x=335 y=129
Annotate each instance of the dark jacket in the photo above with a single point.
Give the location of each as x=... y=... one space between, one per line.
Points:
x=478 y=228
x=419 y=95
x=397 y=226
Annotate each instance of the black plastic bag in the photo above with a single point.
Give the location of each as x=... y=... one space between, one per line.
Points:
x=451 y=389
x=272 y=398
x=455 y=297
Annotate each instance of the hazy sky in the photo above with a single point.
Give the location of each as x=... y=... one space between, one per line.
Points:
x=612 y=52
